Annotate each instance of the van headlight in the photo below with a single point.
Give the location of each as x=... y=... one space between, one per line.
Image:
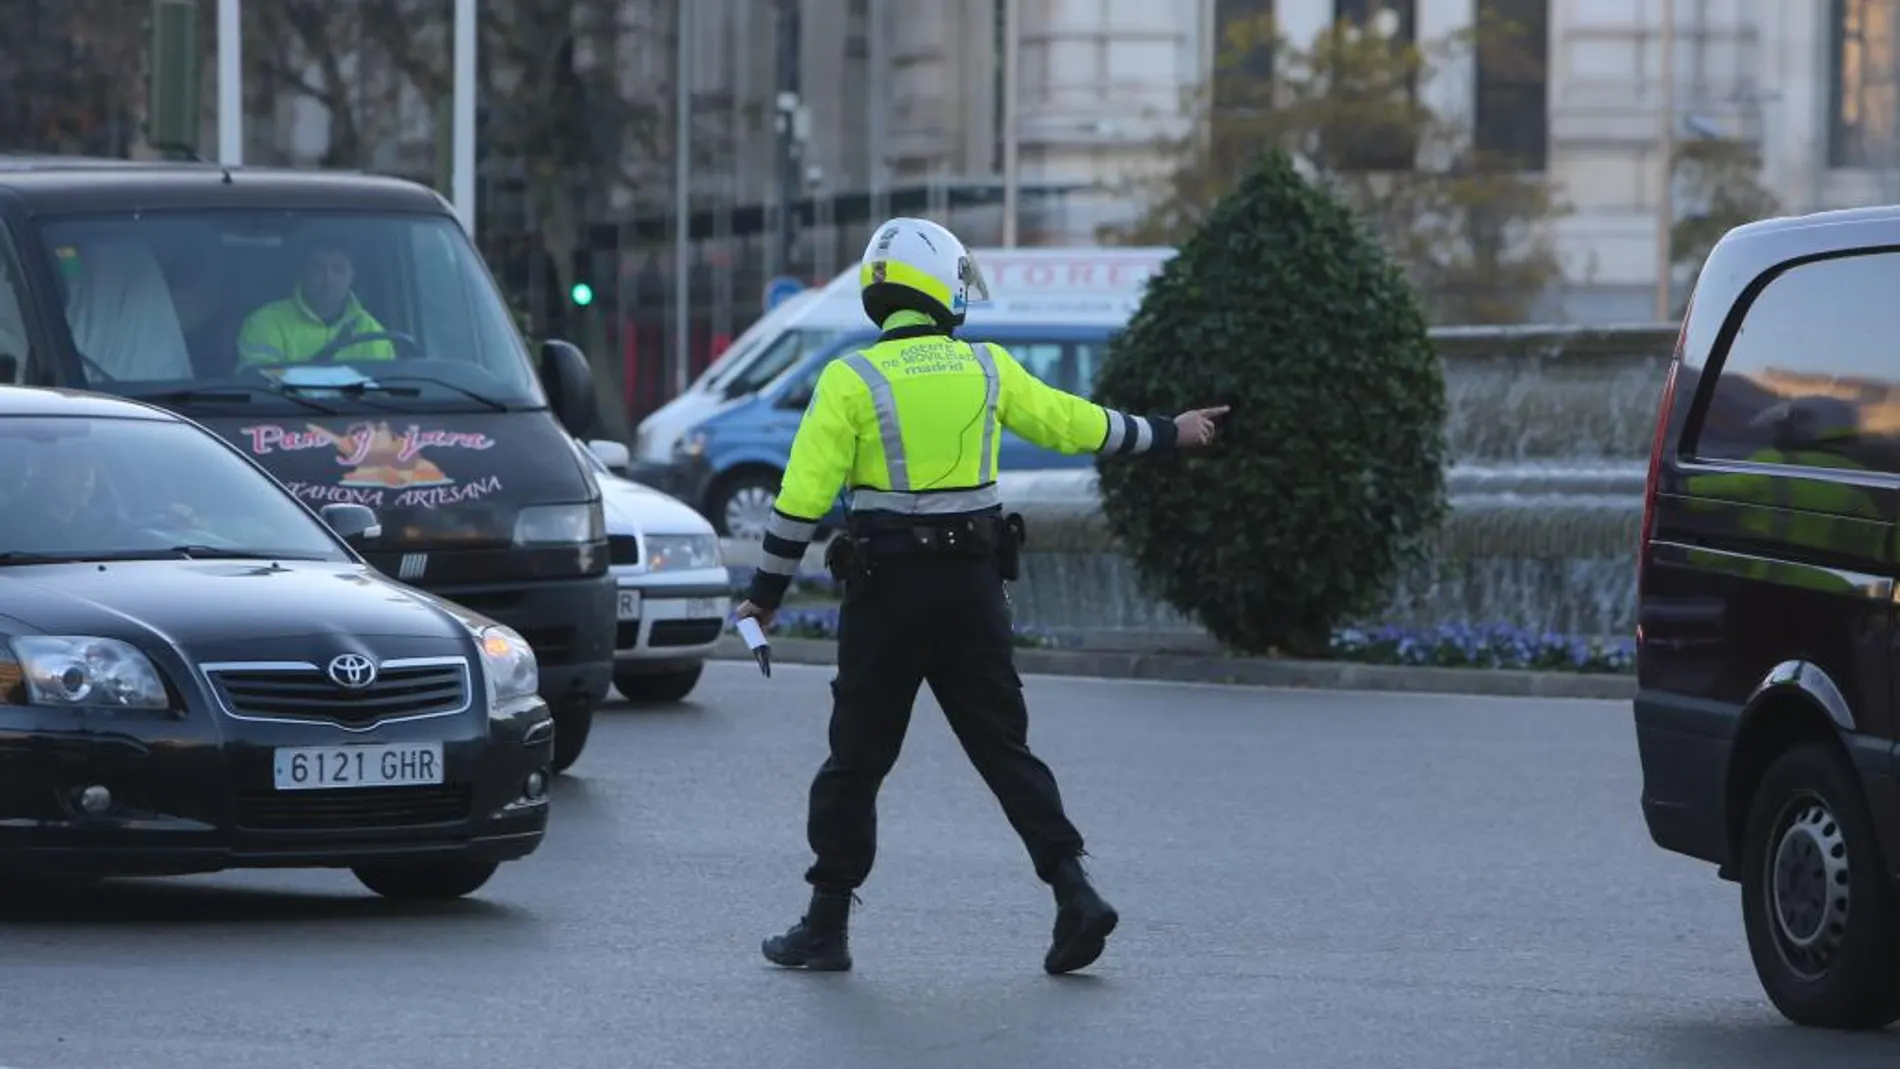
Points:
x=560 y=525
x=690 y=445
x=81 y=670
x=508 y=665
x=675 y=553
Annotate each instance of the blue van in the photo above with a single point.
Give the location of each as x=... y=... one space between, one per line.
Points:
x=744 y=448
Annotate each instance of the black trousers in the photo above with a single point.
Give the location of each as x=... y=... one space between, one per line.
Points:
x=941 y=620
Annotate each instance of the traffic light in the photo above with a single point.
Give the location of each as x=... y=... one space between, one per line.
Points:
x=582 y=294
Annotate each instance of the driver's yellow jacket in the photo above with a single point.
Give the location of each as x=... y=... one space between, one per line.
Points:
x=288 y=332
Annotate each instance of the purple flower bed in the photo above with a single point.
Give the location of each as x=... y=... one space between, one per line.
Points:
x=1493 y=646
x=1445 y=646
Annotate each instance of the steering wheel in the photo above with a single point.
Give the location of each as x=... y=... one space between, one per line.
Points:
x=335 y=345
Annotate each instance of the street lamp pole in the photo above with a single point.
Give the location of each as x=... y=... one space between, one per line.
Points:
x=463 y=93
x=682 y=201
x=230 y=84
x=1666 y=150
x=1012 y=164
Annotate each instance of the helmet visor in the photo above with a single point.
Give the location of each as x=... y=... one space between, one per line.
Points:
x=971 y=276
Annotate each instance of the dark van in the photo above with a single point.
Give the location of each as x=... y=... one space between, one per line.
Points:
x=1765 y=713
x=342 y=330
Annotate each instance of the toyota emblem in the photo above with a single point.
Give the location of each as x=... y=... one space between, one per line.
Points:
x=352 y=671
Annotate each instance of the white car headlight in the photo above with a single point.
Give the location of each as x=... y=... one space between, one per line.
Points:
x=672 y=553
x=78 y=670
x=508 y=665
x=560 y=525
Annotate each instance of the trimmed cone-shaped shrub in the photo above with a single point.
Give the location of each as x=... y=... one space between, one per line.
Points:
x=1328 y=476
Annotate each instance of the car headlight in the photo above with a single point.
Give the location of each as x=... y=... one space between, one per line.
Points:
x=690 y=445
x=672 y=553
x=560 y=525
x=508 y=664
x=79 y=670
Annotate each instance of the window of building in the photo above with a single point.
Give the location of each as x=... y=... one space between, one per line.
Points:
x=1365 y=143
x=1512 y=115
x=1242 y=81
x=1814 y=370
x=1863 y=129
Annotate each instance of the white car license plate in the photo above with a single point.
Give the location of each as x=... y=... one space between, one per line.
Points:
x=315 y=768
x=704 y=608
x=629 y=604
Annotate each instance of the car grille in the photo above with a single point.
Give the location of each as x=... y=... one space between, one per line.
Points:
x=352 y=808
x=307 y=693
x=684 y=632
x=623 y=549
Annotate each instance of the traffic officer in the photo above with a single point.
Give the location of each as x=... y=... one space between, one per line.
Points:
x=911 y=425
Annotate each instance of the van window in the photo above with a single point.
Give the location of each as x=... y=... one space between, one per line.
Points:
x=786 y=350
x=160 y=300
x=17 y=364
x=1812 y=378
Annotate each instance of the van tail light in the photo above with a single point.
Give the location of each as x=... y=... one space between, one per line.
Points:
x=1663 y=408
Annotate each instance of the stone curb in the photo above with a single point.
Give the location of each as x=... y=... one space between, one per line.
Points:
x=1256 y=672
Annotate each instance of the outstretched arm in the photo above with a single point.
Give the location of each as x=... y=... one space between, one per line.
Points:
x=1061 y=421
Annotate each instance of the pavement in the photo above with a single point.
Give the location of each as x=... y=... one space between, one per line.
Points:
x=1306 y=878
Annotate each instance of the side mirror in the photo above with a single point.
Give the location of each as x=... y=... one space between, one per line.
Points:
x=617 y=457
x=797 y=397
x=354 y=523
x=569 y=383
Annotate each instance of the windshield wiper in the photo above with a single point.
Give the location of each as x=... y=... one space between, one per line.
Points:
x=234 y=392
x=202 y=552
x=368 y=386
x=14 y=556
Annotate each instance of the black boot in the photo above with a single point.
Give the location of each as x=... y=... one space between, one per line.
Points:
x=819 y=941
x=1083 y=920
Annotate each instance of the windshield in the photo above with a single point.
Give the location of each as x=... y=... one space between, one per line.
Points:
x=785 y=351
x=100 y=489
x=396 y=309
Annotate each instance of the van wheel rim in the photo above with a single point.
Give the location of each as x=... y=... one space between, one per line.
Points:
x=1808 y=889
x=748 y=510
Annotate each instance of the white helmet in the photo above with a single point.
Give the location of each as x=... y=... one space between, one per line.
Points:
x=917 y=265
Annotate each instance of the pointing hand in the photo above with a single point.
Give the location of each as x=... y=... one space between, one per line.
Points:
x=1197 y=427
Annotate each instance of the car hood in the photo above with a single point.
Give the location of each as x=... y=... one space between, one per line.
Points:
x=641 y=510
x=225 y=606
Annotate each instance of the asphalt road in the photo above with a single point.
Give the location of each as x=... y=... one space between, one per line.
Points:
x=1308 y=880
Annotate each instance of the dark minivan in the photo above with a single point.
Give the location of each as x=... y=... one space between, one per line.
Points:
x=1766 y=639
x=343 y=331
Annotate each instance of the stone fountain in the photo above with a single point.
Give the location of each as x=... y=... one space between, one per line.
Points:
x=1549 y=431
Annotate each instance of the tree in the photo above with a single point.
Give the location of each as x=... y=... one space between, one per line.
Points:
x=1463 y=224
x=1330 y=478
x=1723 y=180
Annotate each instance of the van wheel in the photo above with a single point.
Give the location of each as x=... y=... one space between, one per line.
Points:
x=658 y=686
x=573 y=722
x=742 y=504
x=437 y=881
x=1821 y=912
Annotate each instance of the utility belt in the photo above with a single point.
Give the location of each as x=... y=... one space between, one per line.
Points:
x=867 y=540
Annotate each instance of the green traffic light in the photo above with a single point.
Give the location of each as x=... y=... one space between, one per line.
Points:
x=583 y=294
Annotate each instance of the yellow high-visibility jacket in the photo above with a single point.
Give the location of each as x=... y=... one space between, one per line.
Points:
x=911 y=426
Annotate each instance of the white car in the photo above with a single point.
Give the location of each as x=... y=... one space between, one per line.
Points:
x=675 y=590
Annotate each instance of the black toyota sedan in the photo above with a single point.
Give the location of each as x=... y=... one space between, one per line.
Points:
x=199 y=673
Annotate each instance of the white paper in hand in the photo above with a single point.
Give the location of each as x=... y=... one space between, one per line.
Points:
x=755 y=641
